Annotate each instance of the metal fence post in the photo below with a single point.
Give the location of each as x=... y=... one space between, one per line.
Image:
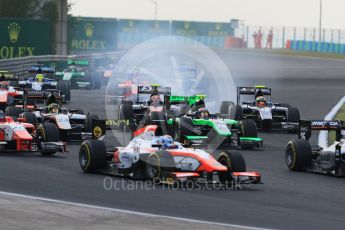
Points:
x=283 y=37
x=339 y=44
x=305 y=34
x=294 y=33
x=247 y=36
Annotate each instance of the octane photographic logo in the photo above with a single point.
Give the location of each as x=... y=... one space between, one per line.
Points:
x=185 y=65
x=116 y=184
x=13 y=31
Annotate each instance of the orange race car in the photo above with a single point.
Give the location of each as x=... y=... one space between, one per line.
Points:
x=152 y=155
x=19 y=136
x=9 y=95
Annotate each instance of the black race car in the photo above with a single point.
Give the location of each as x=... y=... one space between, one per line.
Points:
x=266 y=114
x=148 y=107
x=41 y=78
x=302 y=156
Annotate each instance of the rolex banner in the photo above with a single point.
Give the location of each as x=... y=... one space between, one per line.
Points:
x=87 y=35
x=24 y=37
x=210 y=29
x=132 y=32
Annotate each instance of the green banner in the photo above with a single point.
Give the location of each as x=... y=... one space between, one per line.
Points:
x=86 y=35
x=24 y=37
x=210 y=29
x=144 y=27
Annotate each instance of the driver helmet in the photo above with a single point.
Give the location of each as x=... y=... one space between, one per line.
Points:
x=39 y=77
x=166 y=141
x=260 y=101
x=203 y=113
x=155 y=98
x=53 y=108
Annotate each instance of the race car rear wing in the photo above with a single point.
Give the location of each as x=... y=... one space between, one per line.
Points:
x=305 y=127
x=78 y=62
x=191 y=100
x=256 y=90
x=166 y=91
x=154 y=89
x=39 y=94
x=44 y=69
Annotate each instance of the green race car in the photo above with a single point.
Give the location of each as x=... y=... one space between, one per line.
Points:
x=80 y=75
x=197 y=125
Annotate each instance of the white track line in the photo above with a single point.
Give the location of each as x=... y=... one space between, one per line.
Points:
x=127 y=211
x=323 y=135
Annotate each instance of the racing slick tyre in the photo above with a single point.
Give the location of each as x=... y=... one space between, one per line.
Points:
x=90 y=118
x=127 y=102
x=80 y=111
x=92 y=156
x=30 y=118
x=293 y=115
x=97 y=80
x=62 y=86
x=13 y=111
x=183 y=128
x=248 y=128
x=48 y=132
x=225 y=107
x=125 y=111
x=298 y=155
x=234 y=162
x=159 y=165
x=69 y=90
x=284 y=105
x=235 y=112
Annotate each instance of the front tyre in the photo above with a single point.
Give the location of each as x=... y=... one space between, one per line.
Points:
x=298 y=155
x=234 y=162
x=92 y=156
x=47 y=132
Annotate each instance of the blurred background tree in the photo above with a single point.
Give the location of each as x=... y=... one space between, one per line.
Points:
x=46 y=9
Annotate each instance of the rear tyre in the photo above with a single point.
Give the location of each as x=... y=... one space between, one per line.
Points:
x=285 y=105
x=293 y=115
x=89 y=124
x=159 y=165
x=235 y=112
x=97 y=81
x=125 y=111
x=48 y=132
x=225 y=107
x=248 y=128
x=30 y=118
x=234 y=162
x=13 y=111
x=92 y=156
x=62 y=86
x=184 y=127
x=80 y=111
x=298 y=155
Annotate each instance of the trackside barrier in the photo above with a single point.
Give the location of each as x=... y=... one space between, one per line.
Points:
x=20 y=66
x=310 y=46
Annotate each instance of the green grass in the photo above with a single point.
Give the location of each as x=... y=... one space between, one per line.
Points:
x=308 y=54
x=339 y=116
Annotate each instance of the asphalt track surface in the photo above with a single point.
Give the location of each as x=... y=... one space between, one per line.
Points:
x=286 y=200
